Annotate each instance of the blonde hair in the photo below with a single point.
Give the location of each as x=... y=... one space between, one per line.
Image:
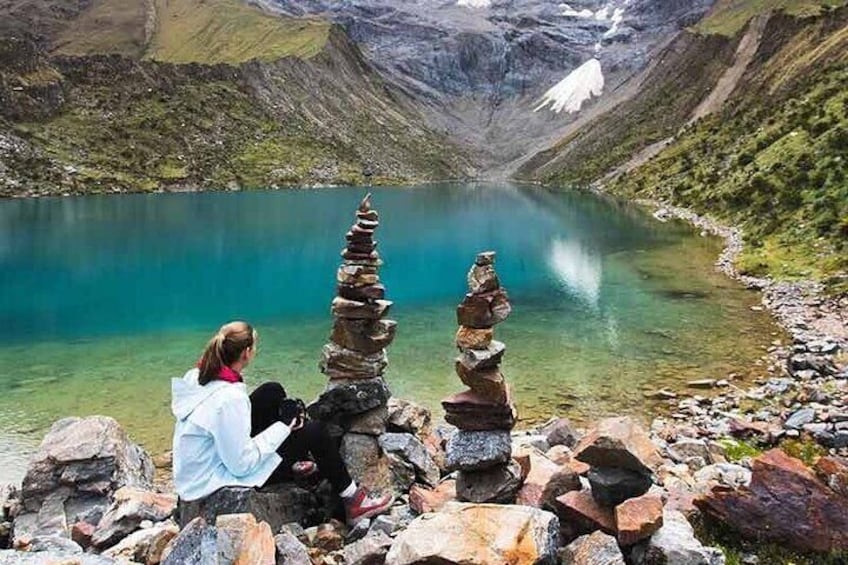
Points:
x=224 y=349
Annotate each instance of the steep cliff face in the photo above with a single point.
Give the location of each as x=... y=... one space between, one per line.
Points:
x=200 y=99
x=483 y=70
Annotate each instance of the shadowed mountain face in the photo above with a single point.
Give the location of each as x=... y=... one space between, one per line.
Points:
x=484 y=66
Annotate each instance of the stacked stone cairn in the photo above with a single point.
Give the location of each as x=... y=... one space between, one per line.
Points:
x=354 y=403
x=481 y=449
x=355 y=357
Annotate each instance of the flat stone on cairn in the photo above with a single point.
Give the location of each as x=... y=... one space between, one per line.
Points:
x=481 y=449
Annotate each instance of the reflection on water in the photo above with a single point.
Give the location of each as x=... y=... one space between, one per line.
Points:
x=576 y=269
x=107 y=297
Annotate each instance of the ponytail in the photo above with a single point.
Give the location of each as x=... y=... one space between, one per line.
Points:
x=224 y=349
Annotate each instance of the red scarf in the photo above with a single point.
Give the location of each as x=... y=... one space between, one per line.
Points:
x=227 y=374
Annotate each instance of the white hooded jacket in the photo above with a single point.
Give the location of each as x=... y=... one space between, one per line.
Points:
x=212 y=443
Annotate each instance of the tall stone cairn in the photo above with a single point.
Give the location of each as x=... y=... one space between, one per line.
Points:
x=354 y=403
x=355 y=357
x=481 y=449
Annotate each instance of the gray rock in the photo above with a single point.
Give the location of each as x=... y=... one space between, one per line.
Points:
x=522 y=441
x=369 y=466
x=410 y=449
x=559 y=431
x=130 y=508
x=80 y=464
x=195 y=544
x=372 y=422
x=276 y=504
x=475 y=450
x=386 y=524
x=685 y=448
x=675 y=544
x=799 y=418
x=290 y=551
x=611 y=486
x=370 y=550
x=358 y=531
x=344 y=398
x=597 y=548
x=498 y=484
x=56 y=544
x=406 y=416
x=145 y=546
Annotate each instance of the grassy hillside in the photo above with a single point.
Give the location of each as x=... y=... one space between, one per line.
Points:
x=189 y=31
x=229 y=31
x=135 y=95
x=776 y=159
x=729 y=17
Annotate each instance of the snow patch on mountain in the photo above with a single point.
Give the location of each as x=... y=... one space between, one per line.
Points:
x=580 y=85
x=474 y=3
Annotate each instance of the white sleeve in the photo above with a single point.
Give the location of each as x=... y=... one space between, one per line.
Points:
x=241 y=453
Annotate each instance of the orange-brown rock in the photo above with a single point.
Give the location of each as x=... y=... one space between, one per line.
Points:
x=487 y=383
x=581 y=511
x=478 y=534
x=545 y=481
x=483 y=310
x=258 y=547
x=834 y=472
x=470 y=338
x=621 y=443
x=423 y=499
x=785 y=502
x=81 y=533
x=638 y=518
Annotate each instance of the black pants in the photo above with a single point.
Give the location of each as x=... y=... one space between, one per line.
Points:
x=312 y=439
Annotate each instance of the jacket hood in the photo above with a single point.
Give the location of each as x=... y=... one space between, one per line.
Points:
x=187 y=393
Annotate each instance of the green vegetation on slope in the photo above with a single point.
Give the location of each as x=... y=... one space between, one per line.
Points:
x=189 y=31
x=728 y=17
x=775 y=161
x=230 y=31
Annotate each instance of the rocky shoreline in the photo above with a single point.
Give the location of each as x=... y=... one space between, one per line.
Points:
x=806 y=394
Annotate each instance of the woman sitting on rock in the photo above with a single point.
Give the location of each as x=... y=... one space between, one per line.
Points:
x=224 y=438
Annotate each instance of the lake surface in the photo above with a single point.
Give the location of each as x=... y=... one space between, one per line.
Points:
x=104 y=298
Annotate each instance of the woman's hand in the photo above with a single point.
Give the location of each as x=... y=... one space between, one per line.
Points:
x=297 y=423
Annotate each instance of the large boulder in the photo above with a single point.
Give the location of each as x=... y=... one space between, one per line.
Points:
x=784 y=502
x=275 y=504
x=621 y=443
x=79 y=466
x=675 y=544
x=481 y=534
x=131 y=507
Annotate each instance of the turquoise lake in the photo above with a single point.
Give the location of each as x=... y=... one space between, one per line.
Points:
x=104 y=298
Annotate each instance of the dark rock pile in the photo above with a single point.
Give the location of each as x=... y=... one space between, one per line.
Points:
x=481 y=450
